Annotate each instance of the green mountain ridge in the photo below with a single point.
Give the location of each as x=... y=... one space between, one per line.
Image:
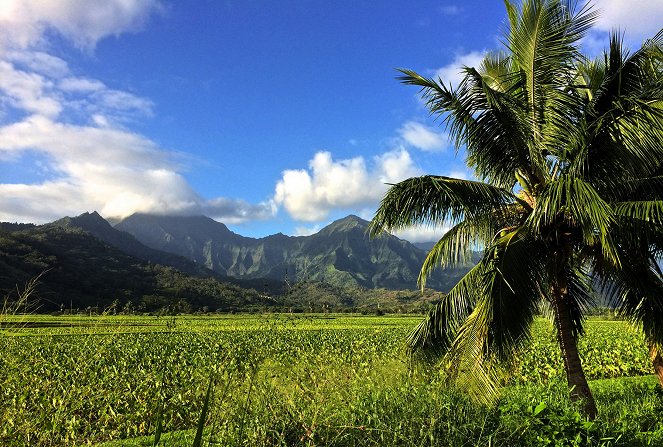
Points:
x=340 y=254
x=77 y=270
x=85 y=263
x=98 y=227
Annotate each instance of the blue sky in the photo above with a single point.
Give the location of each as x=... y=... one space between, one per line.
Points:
x=265 y=115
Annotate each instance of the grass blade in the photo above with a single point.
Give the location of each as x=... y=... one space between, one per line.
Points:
x=197 y=441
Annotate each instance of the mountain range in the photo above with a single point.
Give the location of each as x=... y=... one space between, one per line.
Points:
x=161 y=260
x=76 y=270
x=340 y=254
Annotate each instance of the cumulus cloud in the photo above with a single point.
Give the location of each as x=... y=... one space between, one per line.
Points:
x=640 y=19
x=452 y=73
x=423 y=137
x=328 y=184
x=23 y=23
x=110 y=170
x=74 y=125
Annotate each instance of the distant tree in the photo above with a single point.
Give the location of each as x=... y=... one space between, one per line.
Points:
x=569 y=199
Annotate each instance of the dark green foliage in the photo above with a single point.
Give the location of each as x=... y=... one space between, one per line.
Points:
x=80 y=272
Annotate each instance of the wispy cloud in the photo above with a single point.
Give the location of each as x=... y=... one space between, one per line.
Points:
x=450 y=10
x=328 y=184
x=452 y=73
x=424 y=137
x=24 y=23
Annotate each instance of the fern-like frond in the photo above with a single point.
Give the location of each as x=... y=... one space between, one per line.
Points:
x=431 y=200
x=576 y=203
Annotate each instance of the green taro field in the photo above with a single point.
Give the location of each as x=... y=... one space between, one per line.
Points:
x=301 y=381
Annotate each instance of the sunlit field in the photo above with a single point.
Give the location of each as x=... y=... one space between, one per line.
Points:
x=304 y=380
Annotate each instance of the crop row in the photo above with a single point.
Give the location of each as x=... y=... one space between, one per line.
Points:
x=69 y=388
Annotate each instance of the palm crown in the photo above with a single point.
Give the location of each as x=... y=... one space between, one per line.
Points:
x=570 y=200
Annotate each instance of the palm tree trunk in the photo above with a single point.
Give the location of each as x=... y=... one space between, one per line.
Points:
x=575 y=375
x=657 y=360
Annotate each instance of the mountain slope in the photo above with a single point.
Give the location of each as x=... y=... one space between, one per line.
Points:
x=98 y=227
x=340 y=254
x=79 y=270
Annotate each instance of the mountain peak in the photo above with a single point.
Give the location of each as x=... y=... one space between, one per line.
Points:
x=86 y=221
x=353 y=218
x=346 y=223
x=91 y=217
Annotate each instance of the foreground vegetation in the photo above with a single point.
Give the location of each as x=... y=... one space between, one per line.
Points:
x=307 y=380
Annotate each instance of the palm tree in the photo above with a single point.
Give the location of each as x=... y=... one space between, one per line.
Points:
x=570 y=198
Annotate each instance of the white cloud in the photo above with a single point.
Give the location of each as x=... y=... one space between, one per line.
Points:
x=69 y=123
x=310 y=194
x=640 y=19
x=423 y=137
x=452 y=73
x=636 y=20
x=40 y=62
x=23 y=23
x=422 y=233
x=123 y=101
x=28 y=91
x=306 y=231
x=110 y=170
x=233 y=211
x=81 y=85
x=464 y=174
x=36 y=203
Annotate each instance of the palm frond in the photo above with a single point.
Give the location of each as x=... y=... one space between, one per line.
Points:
x=543 y=43
x=580 y=298
x=495 y=142
x=481 y=116
x=650 y=211
x=623 y=123
x=436 y=333
x=508 y=292
x=458 y=244
x=573 y=201
x=433 y=200
x=635 y=291
x=511 y=289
